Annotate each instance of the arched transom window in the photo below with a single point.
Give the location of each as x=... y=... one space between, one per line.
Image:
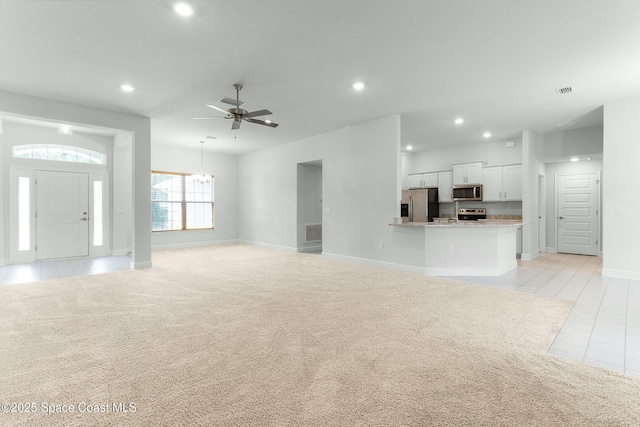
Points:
x=63 y=153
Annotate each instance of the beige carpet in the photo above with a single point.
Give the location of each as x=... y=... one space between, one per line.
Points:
x=240 y=335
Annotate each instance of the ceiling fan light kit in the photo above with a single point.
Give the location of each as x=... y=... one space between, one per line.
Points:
x=238 y=114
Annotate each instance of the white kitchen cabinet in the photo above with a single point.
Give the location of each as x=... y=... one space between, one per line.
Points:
x=502 y=183
x=430 y=180
x=415 y=180
x=423 y=180
x=512 y=182
x=445 y=187
x=467 y=173
x=492 y=184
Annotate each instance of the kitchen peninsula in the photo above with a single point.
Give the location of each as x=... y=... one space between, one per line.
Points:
x=468 y=248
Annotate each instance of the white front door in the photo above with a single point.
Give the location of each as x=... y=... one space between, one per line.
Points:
x=62 y=214
x=577 y=202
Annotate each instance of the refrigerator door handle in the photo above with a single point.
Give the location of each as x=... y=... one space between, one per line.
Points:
x=410 y=209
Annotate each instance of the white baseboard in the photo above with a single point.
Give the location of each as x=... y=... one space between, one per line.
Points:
x=621 y=274
x=192 y=244
x=551 y=250
x=470 y=271
x=310 y=249
x=268 y=245
x=529 y=256
x=383 y=264
x=3 y=262
x=120 y=252
x=139 y=265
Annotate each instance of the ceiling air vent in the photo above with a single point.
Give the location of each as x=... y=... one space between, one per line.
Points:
x=564 y=90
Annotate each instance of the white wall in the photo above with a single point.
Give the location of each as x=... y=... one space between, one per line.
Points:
x=576 y=142
x=406 y=167
x=361 y=194
x=621 y=227
x=564 y=168
x=492 y=152
x=72 y=114
x=122 y=196
x=532 y=166
x=224 y=169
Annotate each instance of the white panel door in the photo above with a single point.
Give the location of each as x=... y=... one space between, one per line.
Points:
x=577 y=198
x=62 y=214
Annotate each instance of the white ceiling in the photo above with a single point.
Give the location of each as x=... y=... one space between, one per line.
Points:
x=497 y=63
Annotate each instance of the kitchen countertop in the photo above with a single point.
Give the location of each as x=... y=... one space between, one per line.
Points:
x=479 y=223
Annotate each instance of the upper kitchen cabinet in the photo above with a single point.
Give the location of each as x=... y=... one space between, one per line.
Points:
x=423 y=180
x=512 y=182
x=502 y=183
x=467 y=173
x=445 y=187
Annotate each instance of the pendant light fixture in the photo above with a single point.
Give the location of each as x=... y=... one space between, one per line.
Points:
x=202 y=178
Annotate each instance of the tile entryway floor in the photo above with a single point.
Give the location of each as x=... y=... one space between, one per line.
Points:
x=54 y=269
x=603 y=328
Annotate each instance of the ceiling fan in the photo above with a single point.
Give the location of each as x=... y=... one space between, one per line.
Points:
x=237 y=113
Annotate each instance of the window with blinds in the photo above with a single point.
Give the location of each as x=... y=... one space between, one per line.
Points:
x=180 y=203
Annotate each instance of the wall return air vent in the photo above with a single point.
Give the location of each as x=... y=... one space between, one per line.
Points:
x=564 y=90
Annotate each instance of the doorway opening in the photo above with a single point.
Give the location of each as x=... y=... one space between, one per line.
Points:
x=309 y=207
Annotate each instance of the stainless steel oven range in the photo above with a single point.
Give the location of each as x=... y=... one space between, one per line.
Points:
x=471 y=214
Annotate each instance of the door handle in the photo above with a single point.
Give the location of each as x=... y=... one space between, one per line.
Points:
x=560 y=217
x=84 y=219
x=411 y=209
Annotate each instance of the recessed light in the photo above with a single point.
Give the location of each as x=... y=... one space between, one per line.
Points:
x=486 y=134
x=65 y=130
x=183 y=9
x=127 y=88
x=409 y=147
x=588 y=158
x=358 y=85
x=459 y=121
x=574 y=159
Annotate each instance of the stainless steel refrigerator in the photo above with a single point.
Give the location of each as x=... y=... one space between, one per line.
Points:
x=419 y=205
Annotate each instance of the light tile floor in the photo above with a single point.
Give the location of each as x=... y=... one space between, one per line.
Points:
x=603 y=328
x=53 y=269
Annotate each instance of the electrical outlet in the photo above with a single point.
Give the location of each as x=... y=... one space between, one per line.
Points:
x=381 y=245
x=450 y=250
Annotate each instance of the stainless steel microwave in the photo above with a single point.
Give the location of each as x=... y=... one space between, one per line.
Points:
x=467 y=192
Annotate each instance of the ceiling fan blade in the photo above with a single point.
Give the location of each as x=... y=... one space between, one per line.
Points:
x=258 y=113
x=236 y=124
x=262 y=122
x=218 y=108
x=231 y=101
